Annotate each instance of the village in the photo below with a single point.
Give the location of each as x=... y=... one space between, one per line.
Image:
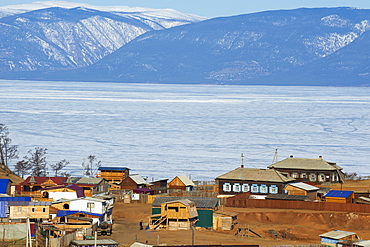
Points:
x=238 y=208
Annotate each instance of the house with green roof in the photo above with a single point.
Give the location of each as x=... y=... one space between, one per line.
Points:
x=256 y=181
x=310 y=170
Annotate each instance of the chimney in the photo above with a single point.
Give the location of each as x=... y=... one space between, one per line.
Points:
x=242 y=166
x=320 y=157
x=291 y=156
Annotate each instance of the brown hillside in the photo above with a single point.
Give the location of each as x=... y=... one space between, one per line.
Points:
x=6 y=173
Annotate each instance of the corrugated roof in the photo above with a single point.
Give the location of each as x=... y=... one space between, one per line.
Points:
x=337 y=234
x=251 y=174
x=307 y=164
x=339 y=193
x=92 y=242
x=304 y=186
x=138 y=179
x=84 y=180
x=287 y=197
x=363 y=243
x=24 y=203
x=186 y=181
x=62 y=213
x=200 y=202
x=112 y=168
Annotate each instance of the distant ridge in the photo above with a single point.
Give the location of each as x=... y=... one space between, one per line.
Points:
x=301 y=47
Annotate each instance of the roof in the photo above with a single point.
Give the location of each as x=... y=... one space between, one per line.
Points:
x=363 y=243
x=251 y=174
x=26 y=203
x=304 y=186
x=92 y=242
x=337 y=234
x=4 y=185
x=339 y=193
x=137 y=179
x=287 y=197
x=85 y=180
x=186 y=202
x=62 y=213
x=200 y=202
x=79 y=191
x=112 y=168
x=40 y=180
x=306 y=164
x=186 y=181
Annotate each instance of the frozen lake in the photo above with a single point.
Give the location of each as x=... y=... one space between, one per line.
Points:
x=160 y=131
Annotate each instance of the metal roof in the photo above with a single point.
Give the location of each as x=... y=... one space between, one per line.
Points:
x=186 y=181
x=287 y=197
x=337 y=234
x=339 y=193
x=200 y=202
x=306 y=164
x=84 y=180
x=251 y=174
x=92 y=242
x=112 y=168
x=363 y=243
x=138 y=179
x=304 y=186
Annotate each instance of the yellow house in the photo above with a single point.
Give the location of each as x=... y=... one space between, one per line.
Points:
x=302 y=189
x=340 y=196
x=20 y=211
x=175 y=215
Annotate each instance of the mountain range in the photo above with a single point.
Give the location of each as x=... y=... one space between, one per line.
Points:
x=313 y=47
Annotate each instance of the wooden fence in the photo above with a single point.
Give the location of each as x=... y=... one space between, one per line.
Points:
x=281 y=204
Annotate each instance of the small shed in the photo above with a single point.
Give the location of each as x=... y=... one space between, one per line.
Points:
x=175 y=215
x=205 y=207
x=332 y=238
x=302 y=189
x=5 y=185
x=223 y=220
x=131 y=182
x=340 y=196
x=181 y=183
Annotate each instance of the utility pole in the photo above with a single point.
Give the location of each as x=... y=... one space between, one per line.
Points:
x=275 y=159
x=242 y=157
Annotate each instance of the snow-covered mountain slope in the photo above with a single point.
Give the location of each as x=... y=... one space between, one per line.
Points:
x=70 y=35
x=243 y=49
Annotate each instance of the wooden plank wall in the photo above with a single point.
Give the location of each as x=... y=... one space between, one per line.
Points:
x=281 y=204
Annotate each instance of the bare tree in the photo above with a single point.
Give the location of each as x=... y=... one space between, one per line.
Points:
x=93 y=166
x=37 y=161
x=22 y=168
x=59 y=166
x=7 y=151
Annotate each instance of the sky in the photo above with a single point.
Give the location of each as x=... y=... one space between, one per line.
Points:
x=217 y=8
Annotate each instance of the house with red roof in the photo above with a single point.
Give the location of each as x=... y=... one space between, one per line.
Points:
x=70 y=191
x=32 y=185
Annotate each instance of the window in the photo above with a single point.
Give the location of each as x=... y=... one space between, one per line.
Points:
x=322 y=177
x=33 y=210
x=90 y=206
x=303 y=175
x=295 y=175
x=312 y=177
x=19 y=209
x=274 y=189
x=236 y=187
x=254 y=188
x=227 y=187
x=44 y=210
x=245 y=188
x=264 y=189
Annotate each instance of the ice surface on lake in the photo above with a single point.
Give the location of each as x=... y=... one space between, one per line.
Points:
x=161 y=131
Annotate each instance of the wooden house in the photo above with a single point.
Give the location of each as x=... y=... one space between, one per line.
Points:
x=98 y=243
x=302 y=189
x=312 y=170
x=19 y=211
x=72 y=222
x=32 y=185
x=160 y=186
x=340 y=196
x=334 y=238
x=91 y=186
x=175 y=215
x=181 y=183
x=257 y=181
x=205 y=208
x=113 y=174
x=134 y=181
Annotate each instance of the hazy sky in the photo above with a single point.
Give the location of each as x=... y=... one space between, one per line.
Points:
x=214 y=8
